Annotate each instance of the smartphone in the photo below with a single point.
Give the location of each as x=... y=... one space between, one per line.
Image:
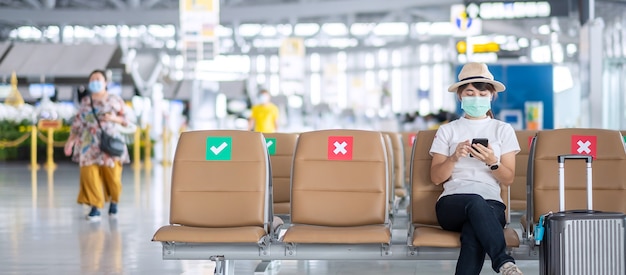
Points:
x=483 y=141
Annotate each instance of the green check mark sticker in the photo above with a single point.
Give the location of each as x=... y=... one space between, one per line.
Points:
x=270 y=143
x=219 y=148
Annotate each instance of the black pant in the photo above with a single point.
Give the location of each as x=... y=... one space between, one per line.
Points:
x=480 y=222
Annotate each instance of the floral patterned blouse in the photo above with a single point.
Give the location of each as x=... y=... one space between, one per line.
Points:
x=87 y=149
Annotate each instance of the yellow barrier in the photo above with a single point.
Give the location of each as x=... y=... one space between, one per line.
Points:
x=148 y=149
x=51 y=143
x=14 y=143
x=33 y=149
x=137 y=149
x=167 y=135
x=50 y=126
x=50 y=150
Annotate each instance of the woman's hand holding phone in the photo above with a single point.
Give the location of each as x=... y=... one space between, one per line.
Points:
x=481 y=150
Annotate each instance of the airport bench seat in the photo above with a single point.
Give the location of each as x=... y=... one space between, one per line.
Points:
x=339 y=207
x=207 y=176
x=398 y=164
x=339 y=189
x=390 y=175
x=408 y=138
x=425 y=230
x=281 y=157
x=190 y=234
x=431 y=236
x=338 y=235
x=518 y=188
x=608 y=173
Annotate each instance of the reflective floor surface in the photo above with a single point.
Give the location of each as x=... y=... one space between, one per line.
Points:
x=44 y=231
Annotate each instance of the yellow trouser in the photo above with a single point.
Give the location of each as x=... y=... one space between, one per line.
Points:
x=100 y=183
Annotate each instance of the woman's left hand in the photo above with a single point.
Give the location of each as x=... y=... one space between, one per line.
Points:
x=484 y=154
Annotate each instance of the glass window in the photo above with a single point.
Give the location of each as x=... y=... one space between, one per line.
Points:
x=370 y=61
x=274 y=64
x=274 y=84
x=424 y=53
x=383 y=58
x=316 y=88
x=260 y=79
x=396 y=58
x=396 y=90
x=436 y=90
x=260 y=63
x=315 y=63
x=342 y=80
x=424 y=78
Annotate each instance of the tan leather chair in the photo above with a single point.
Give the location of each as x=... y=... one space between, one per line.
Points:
x=398 y=164
x=390 y=175
x=221 y=190
x=408 y=138
x=339 y=190
x=425 y=230
x=608 y=173
x=518 y=188
x=281 y=157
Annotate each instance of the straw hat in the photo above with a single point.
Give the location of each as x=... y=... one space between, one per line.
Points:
x=476 y=72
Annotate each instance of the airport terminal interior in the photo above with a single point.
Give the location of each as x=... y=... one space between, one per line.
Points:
x=188 y=69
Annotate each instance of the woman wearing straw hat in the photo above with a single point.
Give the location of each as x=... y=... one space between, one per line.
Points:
x=472 y=173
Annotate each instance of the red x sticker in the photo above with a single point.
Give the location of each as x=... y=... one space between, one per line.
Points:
x=340 y=148
x=584 y=145
x=412 y=138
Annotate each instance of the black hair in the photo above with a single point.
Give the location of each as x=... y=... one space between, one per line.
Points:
x=98 y=71
x=481 y=86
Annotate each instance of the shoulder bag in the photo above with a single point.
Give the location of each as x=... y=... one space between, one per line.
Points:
x=110 y=145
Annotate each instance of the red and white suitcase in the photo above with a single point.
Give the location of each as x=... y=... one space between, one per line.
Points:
x=582 y=242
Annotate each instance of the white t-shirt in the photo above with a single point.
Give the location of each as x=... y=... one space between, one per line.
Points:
x=469 y=175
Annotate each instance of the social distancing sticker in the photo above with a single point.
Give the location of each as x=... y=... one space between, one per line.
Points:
x=412 y=138
x=270 y=143
x=584 y=145
x=219 y=148
x=340 y=147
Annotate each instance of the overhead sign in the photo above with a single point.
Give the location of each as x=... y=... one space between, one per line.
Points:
x=490 y=47
x=463 y=24
x=292 y=65
x=489 y=9
x=198 y=22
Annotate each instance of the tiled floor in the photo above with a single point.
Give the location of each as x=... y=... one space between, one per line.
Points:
x=43 y=231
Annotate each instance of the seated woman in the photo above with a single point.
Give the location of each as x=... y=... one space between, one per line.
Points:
x=472 y=173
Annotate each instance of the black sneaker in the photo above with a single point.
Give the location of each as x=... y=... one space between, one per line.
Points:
x=113 y=209
x=94 y=214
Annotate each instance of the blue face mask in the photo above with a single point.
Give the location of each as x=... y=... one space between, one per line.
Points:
x=476 y=106
x=264 y=99
x=96 y=86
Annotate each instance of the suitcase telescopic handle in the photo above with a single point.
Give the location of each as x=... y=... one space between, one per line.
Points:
x=561 y=159
x=587 y=158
